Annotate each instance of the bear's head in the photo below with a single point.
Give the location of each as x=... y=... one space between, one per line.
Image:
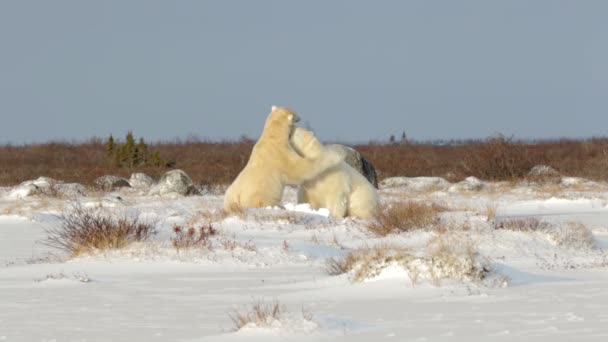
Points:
x=305 y=143
x=281 y=121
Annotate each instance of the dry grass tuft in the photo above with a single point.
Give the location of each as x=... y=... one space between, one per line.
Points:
x=490 y=211
x=85 y=230
x=259 y=314
x=404 y=216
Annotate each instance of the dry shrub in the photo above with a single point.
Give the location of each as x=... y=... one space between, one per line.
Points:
x=368 y=262
x=85 y=230
x=404 y=216
x=498 y=158
x=216 y=163
x=454 y=256
x=192 y=237
x=448 y=256
x=259 y=314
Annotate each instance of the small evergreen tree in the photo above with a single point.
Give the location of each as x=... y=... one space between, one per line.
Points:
x=130 y=154
x=110 y=145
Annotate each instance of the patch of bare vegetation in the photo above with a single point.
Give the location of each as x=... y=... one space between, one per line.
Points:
x=447 y=257
x=84 y=230
x=404 y=216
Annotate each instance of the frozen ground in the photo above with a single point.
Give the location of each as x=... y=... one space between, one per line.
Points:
x=543 y=290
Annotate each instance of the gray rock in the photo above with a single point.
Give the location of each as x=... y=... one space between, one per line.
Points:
x=174 y=182
x=358 y=162
x=140 y=180
x=71 y=190
x=576 y=181
x=109 y=183
x=544 y=174
x=24 y=190
x=469 y=184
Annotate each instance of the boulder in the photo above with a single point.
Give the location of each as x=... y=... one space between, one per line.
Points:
x=174 y=182
x=544 y=174
x=140 y=180
x=24 y=189
x=47 y=187
x=353 y=158
x=109 y=183
x=414 y=183
x=576 y=181
x=468 y=184
x=71 y=190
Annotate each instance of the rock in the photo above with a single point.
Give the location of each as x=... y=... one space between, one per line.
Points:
x=544 y=174
x=353 y=158
x=47 y=187
x=174 y=182
x=414 y=183
x=140 y=180
x=71 y=190
x=468 y=184
x=109 y=183
x=24 y=190
x=576 y=181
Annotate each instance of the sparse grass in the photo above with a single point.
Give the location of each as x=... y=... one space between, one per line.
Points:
x=404 y=216
x=259 y=314
x=192 y=237
x=85 y=230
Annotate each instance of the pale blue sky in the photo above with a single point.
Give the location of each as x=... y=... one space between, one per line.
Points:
x=354 y=70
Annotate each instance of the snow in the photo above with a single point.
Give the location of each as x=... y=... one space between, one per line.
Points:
x=542 y=285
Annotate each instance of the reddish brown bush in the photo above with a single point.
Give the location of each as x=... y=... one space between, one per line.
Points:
x=210 y=163
x=84 y=230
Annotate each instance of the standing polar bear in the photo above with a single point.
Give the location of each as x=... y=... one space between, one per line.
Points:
x=341 y=189
x=273 y=163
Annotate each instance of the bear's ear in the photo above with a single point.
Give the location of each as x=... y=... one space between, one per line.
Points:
x=273 y=108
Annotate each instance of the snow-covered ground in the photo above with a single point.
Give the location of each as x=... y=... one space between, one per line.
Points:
x=543 y=284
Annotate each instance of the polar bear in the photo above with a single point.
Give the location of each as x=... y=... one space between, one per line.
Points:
x=341 y=189
x=274 y=163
